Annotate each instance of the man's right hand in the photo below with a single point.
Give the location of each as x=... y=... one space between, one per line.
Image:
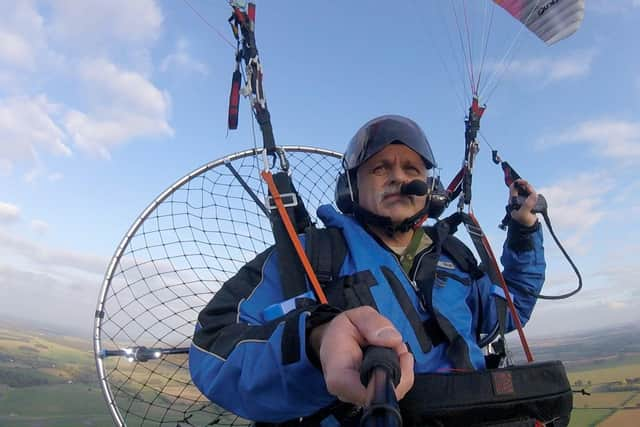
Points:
x=339 y=345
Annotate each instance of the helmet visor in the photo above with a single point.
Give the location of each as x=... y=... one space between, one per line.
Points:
x=385 y=130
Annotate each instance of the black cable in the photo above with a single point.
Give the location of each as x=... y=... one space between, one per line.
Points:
x=541 y=208
x=547 y=221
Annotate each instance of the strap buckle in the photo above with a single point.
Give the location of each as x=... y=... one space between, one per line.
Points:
x=288 y=200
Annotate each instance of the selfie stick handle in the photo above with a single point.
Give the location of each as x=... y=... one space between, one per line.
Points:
x=380 y=373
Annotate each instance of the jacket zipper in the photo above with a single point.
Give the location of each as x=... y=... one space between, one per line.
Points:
x=416 y=264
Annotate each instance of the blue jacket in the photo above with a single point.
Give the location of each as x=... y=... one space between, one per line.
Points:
x=256 y=366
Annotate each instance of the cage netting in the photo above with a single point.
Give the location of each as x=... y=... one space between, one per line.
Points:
x=170 y=263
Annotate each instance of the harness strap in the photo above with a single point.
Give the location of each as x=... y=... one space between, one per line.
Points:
x=284 y=220
x=493 y=271
x=341 y=411
x=326 y=250
x=438 y=234
x=291 y=273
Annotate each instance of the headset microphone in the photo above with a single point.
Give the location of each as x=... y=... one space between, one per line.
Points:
x=414 y=188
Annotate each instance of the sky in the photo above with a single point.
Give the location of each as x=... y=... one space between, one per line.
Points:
x=103 y=105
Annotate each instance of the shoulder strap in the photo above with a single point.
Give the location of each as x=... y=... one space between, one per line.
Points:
x=442 y=235
x=292 y=274
x=476 y=234
x=326 y=249
x=461 y=256
x=438 y=234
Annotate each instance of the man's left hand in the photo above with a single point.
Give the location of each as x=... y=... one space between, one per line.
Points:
x=524 y=215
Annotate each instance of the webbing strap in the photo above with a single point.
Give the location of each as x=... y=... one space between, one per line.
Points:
x=289 y=243
x=292 y=274
x=501 y=307
x=326 y=249
x=493 y=271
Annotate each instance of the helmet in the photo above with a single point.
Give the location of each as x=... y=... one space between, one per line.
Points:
x=382 y=131
x=371 y=138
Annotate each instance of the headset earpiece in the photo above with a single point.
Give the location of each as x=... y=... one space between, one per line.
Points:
x=344 y=196
x=438 y=198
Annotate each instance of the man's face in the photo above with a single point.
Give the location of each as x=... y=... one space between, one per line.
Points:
x=380 y=178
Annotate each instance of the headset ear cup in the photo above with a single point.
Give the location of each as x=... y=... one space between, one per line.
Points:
x=438 y=198
x=344 y=202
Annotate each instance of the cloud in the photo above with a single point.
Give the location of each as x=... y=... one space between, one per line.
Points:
x=114 y=105
x=39 y=170
x=610 y=296
x=8 y=212
x=92 y=22
x=24 y=48
x=610 y=287
x=614 y=138
x=55 y=176
x=612 y=7
x=617 y=305
x=145 y=294
x=99 y=135
x=16 y=51
x=122 y=87
x=60 y=285
x=619 y=276
x=552 y=317
x=130 y=106
x=40 y=257
x=9 y=81
x=65 y=301
x=181 y=60
x=5 y=166
x=573 y=213
x=22 y=35
x=547 y=70
x=39 y=226
x=27 y=126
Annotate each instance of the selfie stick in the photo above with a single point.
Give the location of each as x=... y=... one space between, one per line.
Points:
x=380 y=373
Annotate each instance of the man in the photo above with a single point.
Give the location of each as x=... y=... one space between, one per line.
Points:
x=416 y=290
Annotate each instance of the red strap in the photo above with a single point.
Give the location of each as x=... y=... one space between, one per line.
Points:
x=510 y=174
x=454 y=186
x=476 y=108
x=252 y=12
x=266 y=175
x=503 y=285
x=234 y=100
x=239 y=15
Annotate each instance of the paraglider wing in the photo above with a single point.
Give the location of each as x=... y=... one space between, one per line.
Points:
x=550 y=20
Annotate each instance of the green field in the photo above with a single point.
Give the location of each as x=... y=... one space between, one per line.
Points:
x=54 y=405
x=50 y=381
x=604 y=408
x=588 y=417
x=622 y=418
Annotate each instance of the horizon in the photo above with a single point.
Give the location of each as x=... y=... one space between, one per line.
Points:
x=102 y=107
x=26 y=324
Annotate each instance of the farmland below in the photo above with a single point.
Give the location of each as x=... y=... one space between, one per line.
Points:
x=49 y=379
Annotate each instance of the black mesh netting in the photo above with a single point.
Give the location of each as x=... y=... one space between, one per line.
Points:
x=174 y=258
